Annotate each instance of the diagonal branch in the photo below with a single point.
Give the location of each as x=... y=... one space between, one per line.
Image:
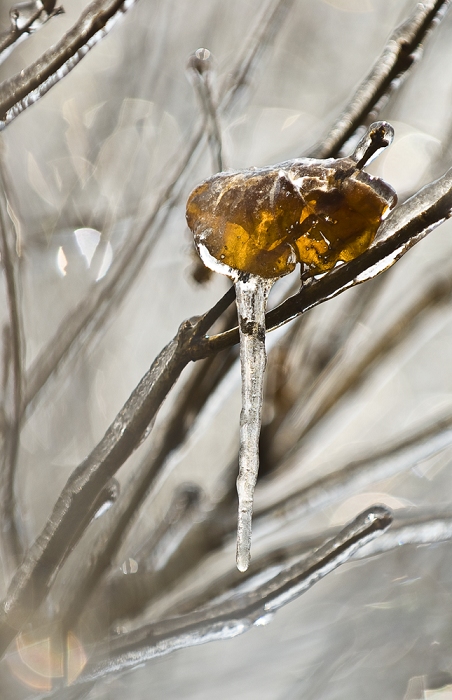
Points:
x=424 y=527
x=404 y=227
x=28 y=86
x=78 y=501
x=23 y=24
x=10 y=262
x=400 y=53
x=84 y=492
x=233 y=618
x=340 y=484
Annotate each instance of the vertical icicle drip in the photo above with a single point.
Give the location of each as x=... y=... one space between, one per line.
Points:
x=252 y=293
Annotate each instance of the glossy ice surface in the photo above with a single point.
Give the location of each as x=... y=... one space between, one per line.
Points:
x=265 y=221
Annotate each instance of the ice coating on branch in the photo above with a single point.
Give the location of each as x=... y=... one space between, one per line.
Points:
x=54 y=61
x=315 y=212
x=252 y=296
x=32 y=15
x=255 y=226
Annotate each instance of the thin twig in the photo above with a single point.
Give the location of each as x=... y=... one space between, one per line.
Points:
x=399 y=456
x=22 y=27
x=234 y=618
x=220 y=525
x=261 y=37
x=419 y=527
x=400 y=53
x=10 y=264
x=404 y=227
x=28 y=86
x=200 y=70
x=408 y=527
x=338 y=380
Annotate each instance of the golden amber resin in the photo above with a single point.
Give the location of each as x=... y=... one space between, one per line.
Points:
x=265 y=221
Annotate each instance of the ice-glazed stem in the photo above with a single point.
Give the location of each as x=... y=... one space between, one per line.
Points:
x=252 y=293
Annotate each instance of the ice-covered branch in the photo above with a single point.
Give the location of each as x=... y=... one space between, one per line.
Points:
x=10 y=264
x=28 y=86
x=399 y=456
x=419 y=527
x=171 y=435
x=338 y=380
x=408 y=527
x=404 y=227
x=200 y=71
x=399 y=54
x=84 y=492
x=26 y=18
x=238 y=616
x=79 y=500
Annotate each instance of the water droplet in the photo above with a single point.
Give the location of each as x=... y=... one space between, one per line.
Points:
x=111 y=494
x=203 y=54
x=264 y=620
x=130 y=566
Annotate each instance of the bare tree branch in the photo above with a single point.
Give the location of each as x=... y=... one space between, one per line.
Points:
x=399 y=54
x=399 y=456
x=211 y=534
x=404 y=227
x=84 y=491
x=10 y=262
x=233 y=618
x=23 y=24
x=28 y=86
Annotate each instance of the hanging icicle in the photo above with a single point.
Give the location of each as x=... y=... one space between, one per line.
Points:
x=255 y=226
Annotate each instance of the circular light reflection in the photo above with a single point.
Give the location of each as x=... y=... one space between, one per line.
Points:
x=38 y=661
